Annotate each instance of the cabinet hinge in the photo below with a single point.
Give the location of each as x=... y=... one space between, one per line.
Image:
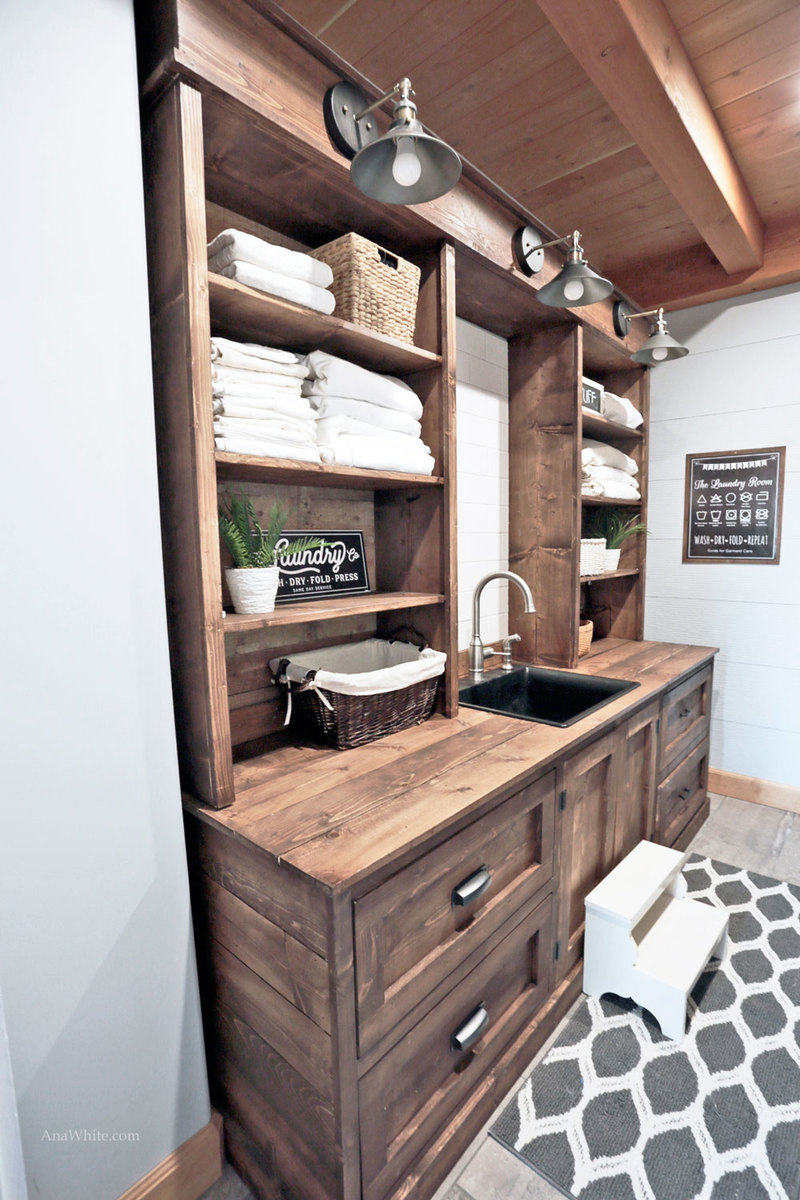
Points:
x=562 y=800
x=556 y=951
x=658 y=725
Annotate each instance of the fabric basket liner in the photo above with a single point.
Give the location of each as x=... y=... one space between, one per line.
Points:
x=363 y=668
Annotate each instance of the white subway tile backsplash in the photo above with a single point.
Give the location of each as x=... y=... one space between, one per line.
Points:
x=482 y=477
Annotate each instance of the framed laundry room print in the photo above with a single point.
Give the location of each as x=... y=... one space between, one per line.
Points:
x=733 y=506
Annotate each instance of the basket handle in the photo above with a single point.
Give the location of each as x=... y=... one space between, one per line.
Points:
x=388 y=260
x=413 y=636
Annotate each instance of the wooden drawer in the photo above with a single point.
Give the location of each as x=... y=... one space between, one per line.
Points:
x=411 y=1093
x=685 y=716
x=411 y=933
x=681 y=794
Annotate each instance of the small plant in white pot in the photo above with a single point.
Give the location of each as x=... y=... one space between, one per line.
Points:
x=618 y=528
x=253 y=578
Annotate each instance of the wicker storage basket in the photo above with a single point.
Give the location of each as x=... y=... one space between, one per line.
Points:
x=373 y=288
x=593 y=556
x=585 y=631
x=345 y=720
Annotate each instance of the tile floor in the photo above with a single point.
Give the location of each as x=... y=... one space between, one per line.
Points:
x=751 y=836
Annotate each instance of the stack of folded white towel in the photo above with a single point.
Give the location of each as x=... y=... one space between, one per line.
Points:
x=608 y=472
x=365 y=419
x=259 y=264
x=620 y=410
x=258 y=403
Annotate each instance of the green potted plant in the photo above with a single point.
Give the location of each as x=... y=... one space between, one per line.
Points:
x=253 y=578
x=618 y=528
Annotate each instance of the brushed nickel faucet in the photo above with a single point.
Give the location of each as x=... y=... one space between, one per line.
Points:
x=478 y=653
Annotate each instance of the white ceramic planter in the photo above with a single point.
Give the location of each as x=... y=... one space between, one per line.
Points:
x=611 y=560
x=253 y=589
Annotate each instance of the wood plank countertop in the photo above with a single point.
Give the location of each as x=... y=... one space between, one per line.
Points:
x=340 y=817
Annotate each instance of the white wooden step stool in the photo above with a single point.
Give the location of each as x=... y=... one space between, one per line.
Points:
x=646 y=940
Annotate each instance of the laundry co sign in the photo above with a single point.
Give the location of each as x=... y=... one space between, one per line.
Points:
x=337 y=568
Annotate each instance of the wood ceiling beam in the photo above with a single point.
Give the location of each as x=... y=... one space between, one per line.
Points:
x=692 y=276
x=632 y=52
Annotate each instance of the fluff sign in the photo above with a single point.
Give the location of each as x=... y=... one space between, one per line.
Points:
x=339 y=568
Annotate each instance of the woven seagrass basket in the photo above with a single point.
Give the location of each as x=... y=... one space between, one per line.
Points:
x=356 y=720
x=585 y=631
x=373 y=288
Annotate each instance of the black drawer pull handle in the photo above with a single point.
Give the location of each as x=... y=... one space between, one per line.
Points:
x=471 y=1030
x=471 y=887
x=685 y=794
x=685 y=712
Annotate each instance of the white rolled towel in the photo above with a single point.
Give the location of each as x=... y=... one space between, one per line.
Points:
x=602 y=455
x=266 y=449
x=234 y=245
x=620 y=410
x=251 y=357
x=329 y=428
x=296 y=290
x=256 y=379
x=371 y=414
x=331 y=376
x=376 y=454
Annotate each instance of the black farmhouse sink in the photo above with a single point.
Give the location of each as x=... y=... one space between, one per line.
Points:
x=540 y=694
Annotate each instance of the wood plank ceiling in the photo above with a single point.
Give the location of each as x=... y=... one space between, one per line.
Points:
x=667 y=131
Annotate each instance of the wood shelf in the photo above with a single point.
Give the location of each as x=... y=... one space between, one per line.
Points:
x=606 y=502
x=239 y=311
x=329 y=610
x=629 y=571
x=285 y=470
x=596 y=426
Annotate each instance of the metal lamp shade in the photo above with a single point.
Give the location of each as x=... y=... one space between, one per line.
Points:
x=557 y=291
x=371 y=169
x=658 y=348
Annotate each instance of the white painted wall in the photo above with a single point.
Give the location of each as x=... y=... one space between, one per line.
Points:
x=738 y=389
x=96 y=956
x=482 y=477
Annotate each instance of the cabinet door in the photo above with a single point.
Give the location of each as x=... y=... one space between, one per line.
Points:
x=636 y=796
x=590 y=783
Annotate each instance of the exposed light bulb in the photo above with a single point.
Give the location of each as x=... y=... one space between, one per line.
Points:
x=573 y=290
x=660 y=353
x=406 y=167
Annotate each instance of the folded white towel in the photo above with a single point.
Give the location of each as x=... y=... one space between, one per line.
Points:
x=256 y=379
x=234 y=245
x=610 y=489
x=259 y=412
x=331 y=376
x=620 y=410
x=262 y=404
x=371 y=414
x=264 y=449
x=296 y=290
x=603 y=474
x=245 y=356
x=375 y=454
x=329 y=428
x=601 y=455
x=280 y=430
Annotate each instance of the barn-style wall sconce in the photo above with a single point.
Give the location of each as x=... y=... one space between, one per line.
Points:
x=576 y=283
x=405 y=165
x=659 y=347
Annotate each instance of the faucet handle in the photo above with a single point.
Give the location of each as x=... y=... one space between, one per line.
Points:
x=506 y=664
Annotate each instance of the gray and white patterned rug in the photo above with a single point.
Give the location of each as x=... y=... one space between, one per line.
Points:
x=616 y=1111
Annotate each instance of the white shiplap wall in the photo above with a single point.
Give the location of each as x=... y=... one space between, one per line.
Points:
x=482 y=447
x=739 y=389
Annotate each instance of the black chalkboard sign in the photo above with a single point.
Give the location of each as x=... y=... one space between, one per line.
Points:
x=733 y=506
x=339 y=568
